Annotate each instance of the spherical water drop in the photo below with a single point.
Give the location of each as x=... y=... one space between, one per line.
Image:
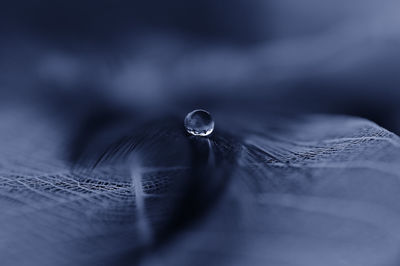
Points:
x=199 y=123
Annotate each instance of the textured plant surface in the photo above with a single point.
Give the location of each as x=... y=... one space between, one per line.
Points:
x=305 y=190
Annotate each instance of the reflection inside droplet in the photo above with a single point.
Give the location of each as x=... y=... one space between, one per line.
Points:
x=199 y=123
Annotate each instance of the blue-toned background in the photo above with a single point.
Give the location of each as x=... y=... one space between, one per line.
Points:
x=335 y=56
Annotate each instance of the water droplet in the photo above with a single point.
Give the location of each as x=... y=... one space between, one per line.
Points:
x=199 y=123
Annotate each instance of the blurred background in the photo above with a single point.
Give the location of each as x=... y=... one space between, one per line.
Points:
x=302 y=56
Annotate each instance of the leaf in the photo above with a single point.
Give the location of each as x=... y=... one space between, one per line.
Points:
x=311 y=190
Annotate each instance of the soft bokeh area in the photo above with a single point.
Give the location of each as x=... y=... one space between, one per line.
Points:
x=331 y=56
